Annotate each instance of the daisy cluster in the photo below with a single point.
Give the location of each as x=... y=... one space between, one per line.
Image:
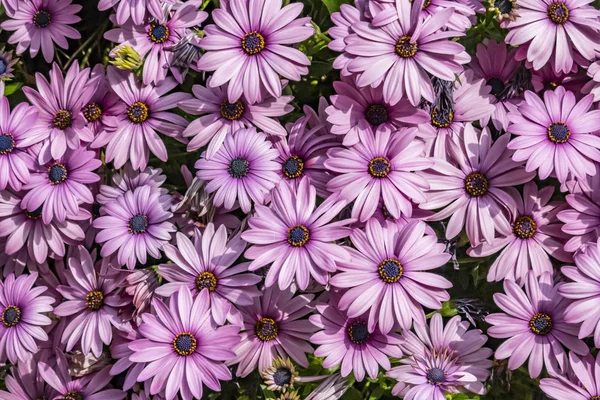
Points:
x=178 y=222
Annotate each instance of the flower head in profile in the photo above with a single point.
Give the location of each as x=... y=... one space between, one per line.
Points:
x=207 y=264
x=41 y=24
x=136 y=10
x=442 y=360
x=7 y=62
x=296 y=237
x=249 y=47
x=387 y=276
x=534 y=326
x=273 y=326
x=554 y=135
x=584 y=384
x=243 y=169
x=181 y=347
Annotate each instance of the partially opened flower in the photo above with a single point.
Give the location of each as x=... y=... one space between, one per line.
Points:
x=41 y=24
x=249 y=47
x=134 y=9
x=182 y=347
x=386 y=275
x=585 y=386
x=7 y=62
x=23 y=312
x=582 y=217
x=533 y=324
x=296 y=237
x=200 y=269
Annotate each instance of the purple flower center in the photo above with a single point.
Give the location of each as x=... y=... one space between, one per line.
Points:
x=73 y=396
x=441 y=119
x=158 y=33
x=376 y=114
x=379 y=167
x=253 y=43
x=436 y=376
x=185 y=344
x=293 y=167
x=238 y=167
x=92 y=112
x=559 y=132
x=558 y=13
x=497 y=86
x=11 y=316
x=266 y=329
x=390 y=270
x=298 y=236
x=36 y=214
x=476 y=184
x=138 y=112
x=524 y=227
x=138 y=224
x=7 y=143
x=404 y=48
x=206 y=280
x=540 y=324
x=386 y=213
x=94 y=300
x=358 y=332
x=232 y=111
x=282 y=376
x=57 y=173
x=62 y=119
x=3 y=66
x=41 y=18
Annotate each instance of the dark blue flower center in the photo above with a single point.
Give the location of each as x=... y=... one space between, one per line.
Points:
x=73 y=396
x=3 y=66
x=524 y=227
x=497 y=86
x=36 y=214
x=282 y=376
x=7 y=143
x=390 y=270
x=138 y=224
x=504 y=6
x=94 y=300
x=376 y=114
x=232 y=111
x=266 y=329
x=253 y=43
x=476 y=184
x=41 y=18
x=358 y=332
x=185 y=344
x=158 y=33
x=298 y=236
x=558 y=13
x=435 y=376
x=559 y=132
x=540 y=324
x=11 y=316
x=293 y=167
x=441 y=119
x=57 y=173
x=379 y=167
x=138 y=112
x=238 y=167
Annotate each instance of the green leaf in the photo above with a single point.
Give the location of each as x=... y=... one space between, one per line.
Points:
x=12 y=88
x=377 y=393
x=333 y=5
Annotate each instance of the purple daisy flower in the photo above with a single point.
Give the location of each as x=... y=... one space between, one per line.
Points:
x=10 y=6
x=135 y=9
x=473 y=193
x=128 y=180
x=220 y=118
x=381 y=165
x=348 y=342
x=151 y=40
x=382 y=215
x=91 y=302
x=243 y=169
x=585 y=386
x=534 y=324
x=60 y=104
x=89 y=387
x=228 y=285
x=582 y=218
x=593 y=86
x=272 y=326
x=42 y=23
x=249 y=47
x=25 y=383
x=386 y=277
x=536 y=234
x=120 y=351
x=547 y=79
x=182 y=348
x=353 y=107
x=559 y=31
x=342 y=28
x=555 y=135
x=143 y=111
x=442 y=360
x=25 y=230
x=296 y=237
x=402 y=52
x=6 y=64
x=15 y=139
x=61 y=185
x=22 y=316
x=135 y=224
x=496 y=64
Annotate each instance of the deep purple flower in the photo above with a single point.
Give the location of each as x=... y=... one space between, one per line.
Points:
x=272 y=326
x=182 y=348
x=25 y=383
x=585 y=386
x=208 y=265
x=42 y=23
x=135 y=225
x=249 y=48
x=385 y=275
x=22 y=316
x=533 y=322
x=243 y=169
x=547 y=79
x=296 y=237
x=220 y=118
x=135 y=9
x=582 y=218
